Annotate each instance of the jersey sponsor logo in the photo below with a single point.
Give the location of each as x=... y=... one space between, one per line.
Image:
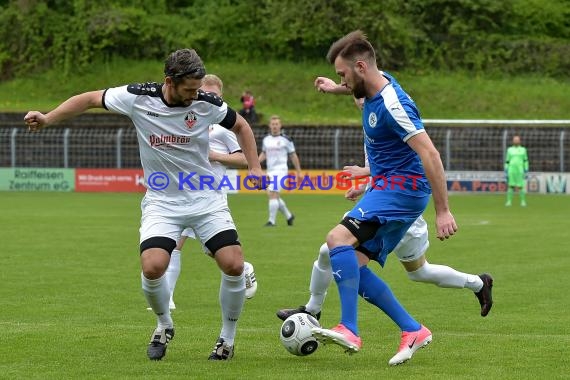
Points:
x=372 y=120
x=153 y=114
x=190 y=119
x=164 y=141
x=362 y=211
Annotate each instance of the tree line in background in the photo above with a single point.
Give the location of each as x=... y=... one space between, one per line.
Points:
x=510 y=36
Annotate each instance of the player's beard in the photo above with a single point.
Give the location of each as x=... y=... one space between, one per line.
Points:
x=178 y=100
x=358 y=89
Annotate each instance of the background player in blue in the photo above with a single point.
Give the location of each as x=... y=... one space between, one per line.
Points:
x=406 y=168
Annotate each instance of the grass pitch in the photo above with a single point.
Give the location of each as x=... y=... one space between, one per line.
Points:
x=72 y=307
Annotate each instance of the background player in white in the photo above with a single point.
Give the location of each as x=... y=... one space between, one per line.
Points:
x=172 y=121
x=276 y=148
x=224 y=152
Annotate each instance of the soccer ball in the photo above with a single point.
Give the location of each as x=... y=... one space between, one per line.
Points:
x=296 y=334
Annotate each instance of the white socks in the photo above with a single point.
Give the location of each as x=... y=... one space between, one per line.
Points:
x=157 y=295
x=173 y=270
x=446 y=277
x=273 y=207
x=232 y=297
x=278 y=205
x=283 y=208
x=321 y=278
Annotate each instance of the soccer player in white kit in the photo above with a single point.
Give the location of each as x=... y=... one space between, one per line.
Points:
x=224 y=152
x=276 y=148
x=172 y=120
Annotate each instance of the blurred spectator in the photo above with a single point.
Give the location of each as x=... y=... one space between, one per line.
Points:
x=248 y=108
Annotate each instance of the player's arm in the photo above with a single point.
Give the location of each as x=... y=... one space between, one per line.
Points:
x=232 y=160
x=357 y=171
x=246 y=141
x=324 y=84
x=296 y=163
x=76 y=105
x=431 y=160
x=525 y=160
x=262 y=156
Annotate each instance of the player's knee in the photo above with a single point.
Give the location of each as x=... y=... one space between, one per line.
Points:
x=155 y=256
x=334 y=239
x=234 y=267
x=154 y=265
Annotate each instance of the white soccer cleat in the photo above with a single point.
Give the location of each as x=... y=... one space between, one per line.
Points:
x=250 y=280
x=410 y=343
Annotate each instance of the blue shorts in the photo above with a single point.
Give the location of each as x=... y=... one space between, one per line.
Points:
x=395 y=211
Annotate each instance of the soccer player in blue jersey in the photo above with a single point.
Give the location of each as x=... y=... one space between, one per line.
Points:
x=411 y=251
x=405 y=168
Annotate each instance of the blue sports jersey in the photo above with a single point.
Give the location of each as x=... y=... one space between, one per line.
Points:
x=389 y=119
x=400 y=191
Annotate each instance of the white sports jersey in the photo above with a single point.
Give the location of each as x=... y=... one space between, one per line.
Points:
x=225 y=141
x=277 y=150
x=173 y=142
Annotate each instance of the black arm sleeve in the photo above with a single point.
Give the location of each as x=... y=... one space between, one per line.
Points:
x=230 y=119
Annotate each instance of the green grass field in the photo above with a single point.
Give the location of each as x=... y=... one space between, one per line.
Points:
x=72 y=307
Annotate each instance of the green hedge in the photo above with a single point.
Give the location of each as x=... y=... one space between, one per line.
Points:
x=510 y=36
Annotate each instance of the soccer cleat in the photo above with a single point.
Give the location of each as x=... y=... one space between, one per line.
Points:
x=158 y=343
x=250 y=280
x=269 y=224
x=290 y=220
x=485 y=295
x=523 y=204
x=508 y=204
x=221 y=351
x=410 y=343
x=283 y=314
x=339 y=335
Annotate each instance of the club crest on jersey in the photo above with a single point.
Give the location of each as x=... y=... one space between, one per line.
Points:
x=372 y=119
x=190 y=119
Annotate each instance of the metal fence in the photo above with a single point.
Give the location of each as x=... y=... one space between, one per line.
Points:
x=475 y=146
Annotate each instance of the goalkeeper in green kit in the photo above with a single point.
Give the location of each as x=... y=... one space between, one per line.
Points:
x=516 y=169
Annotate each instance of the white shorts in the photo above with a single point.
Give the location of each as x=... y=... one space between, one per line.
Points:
x=189 y=232
x=415 y=242
x=277 y=180
x=166 y=219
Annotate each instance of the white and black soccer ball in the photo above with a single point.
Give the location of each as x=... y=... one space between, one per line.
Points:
x=296 y=334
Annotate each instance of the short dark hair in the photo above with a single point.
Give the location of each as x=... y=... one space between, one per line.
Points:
x=184 y=63
x=354 y=46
